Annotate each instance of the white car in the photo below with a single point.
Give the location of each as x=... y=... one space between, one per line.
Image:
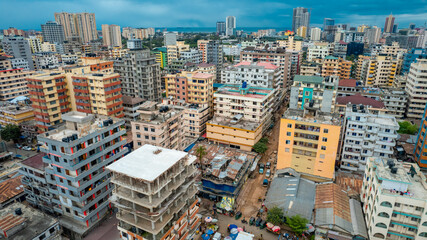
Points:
x=26 y=148
x=267 y=173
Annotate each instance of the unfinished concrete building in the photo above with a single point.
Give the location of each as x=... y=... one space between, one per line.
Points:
x=155 y=194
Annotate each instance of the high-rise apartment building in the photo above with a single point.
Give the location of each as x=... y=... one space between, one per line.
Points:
x=394 y=200
x=139 y=75
x=366 y=134
x=35 y=44
x=191 y=87
x=420 y=151
x=293 y=43
x=314 y=92
x=417 y=93
x=288 y=61
x=411 y=57
x=92 y=89
x=161 y=54
x=111 y=35
x=389 y=24
x=242 y=115
x=336 y=66
x=53 y=32
x=302 y=31
x=155 y=193
x=13 y=83
x=315 y=34
x=319 y=50
x=373 y=35
x=308 y=143
x=169 y=38
x=381 y=70
x=212 y=53
x=220 y=28
x=230 y=26
x=80 y=25
x=174 y=51
x=19 y=48
x=329 y=29
x=76 y=157
x=301 y=17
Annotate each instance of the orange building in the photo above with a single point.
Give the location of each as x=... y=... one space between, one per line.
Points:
x=420 y=152
x=308 y=143
x=93 y=88
x=336 y=66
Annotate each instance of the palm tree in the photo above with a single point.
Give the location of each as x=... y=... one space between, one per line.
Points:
x=200 y=153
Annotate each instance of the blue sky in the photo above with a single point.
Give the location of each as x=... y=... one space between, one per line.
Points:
x=29 y=14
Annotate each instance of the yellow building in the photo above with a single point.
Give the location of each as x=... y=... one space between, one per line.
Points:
x=302 y=31
x=15 y=114
x=174 y=51
x=12 y=82
x=242 y=115
x=381 y=71
x=308 y=143
x=291 y=42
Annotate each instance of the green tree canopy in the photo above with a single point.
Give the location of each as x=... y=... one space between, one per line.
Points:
x=260 y=147
x=275 y=216
x=406 y=127
x=11 y=132
x=200 y=153
x=297 y=224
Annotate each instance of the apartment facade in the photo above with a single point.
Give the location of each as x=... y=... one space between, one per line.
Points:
x=381 y=71
x=192 y=87
x=19 y=48
x=366 y=134
x=417 y=93
x=211 y=52
x=53 y=32
x=319 y=50
x=80 y=25
x=242 y=115
x=287 y=60
x=420 y=151
x=394 y=200
x=55 y=93
x=130 y=109
x=336 y=66
x=13 y=83
x=15 y=114
x=314 y=91
x=308 y=143
x=77 y=154
x=175 y=50
x=111 y=35
x=155 y=193
x=139 y=75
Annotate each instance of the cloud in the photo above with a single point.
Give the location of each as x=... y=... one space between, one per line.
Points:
x=29 y=14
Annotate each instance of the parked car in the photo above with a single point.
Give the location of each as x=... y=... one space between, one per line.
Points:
x=265 y=183
x=268 y=165
x=217 y=236
x=268 y=173
x=261 y=171
x=26 y=148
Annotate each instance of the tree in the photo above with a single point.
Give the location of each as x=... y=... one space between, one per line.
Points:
x=11 y=132
x=260 y=147
x=264 y=140
x=297 y=224
x=406 y=127
x=275 y=216
x=200 y=153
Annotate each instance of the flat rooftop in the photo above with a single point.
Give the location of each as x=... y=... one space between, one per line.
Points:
x=230 y=122
x=248 y=92
x=148 y=162
x=35 y=221
x=320 y=117
x=35 y=161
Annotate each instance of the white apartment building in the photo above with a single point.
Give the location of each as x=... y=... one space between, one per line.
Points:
x=318 y=50
x=155 y=193
x=381 y=71
x=192 y=55
x=416 y=89
x=315 y=34
x=394 y=197
x=366 y=135
x=231 y=50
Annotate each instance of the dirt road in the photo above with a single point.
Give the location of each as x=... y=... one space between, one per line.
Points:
x=248 y=200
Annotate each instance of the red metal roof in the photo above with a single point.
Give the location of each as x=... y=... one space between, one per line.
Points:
x=35 y=161
x=359 y=99
x=347 y=83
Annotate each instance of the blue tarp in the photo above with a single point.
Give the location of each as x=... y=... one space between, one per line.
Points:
x=189 y=147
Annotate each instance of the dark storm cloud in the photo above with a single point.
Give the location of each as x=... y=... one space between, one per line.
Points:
x=29 y=14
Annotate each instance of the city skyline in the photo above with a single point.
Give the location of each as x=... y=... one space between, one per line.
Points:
x=205 y=14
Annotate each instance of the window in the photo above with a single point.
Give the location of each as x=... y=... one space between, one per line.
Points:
x=146 y=137
x=397 y=204
x=146 y=129
x=325 y=130
x=387 y=130
x=138 y=135
x=289 y=125
x=323 y=148
x=153 y=138
x=288 y=134
x=288 y=142
x=357 y=118
x=137 y=127
x=324 y=139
